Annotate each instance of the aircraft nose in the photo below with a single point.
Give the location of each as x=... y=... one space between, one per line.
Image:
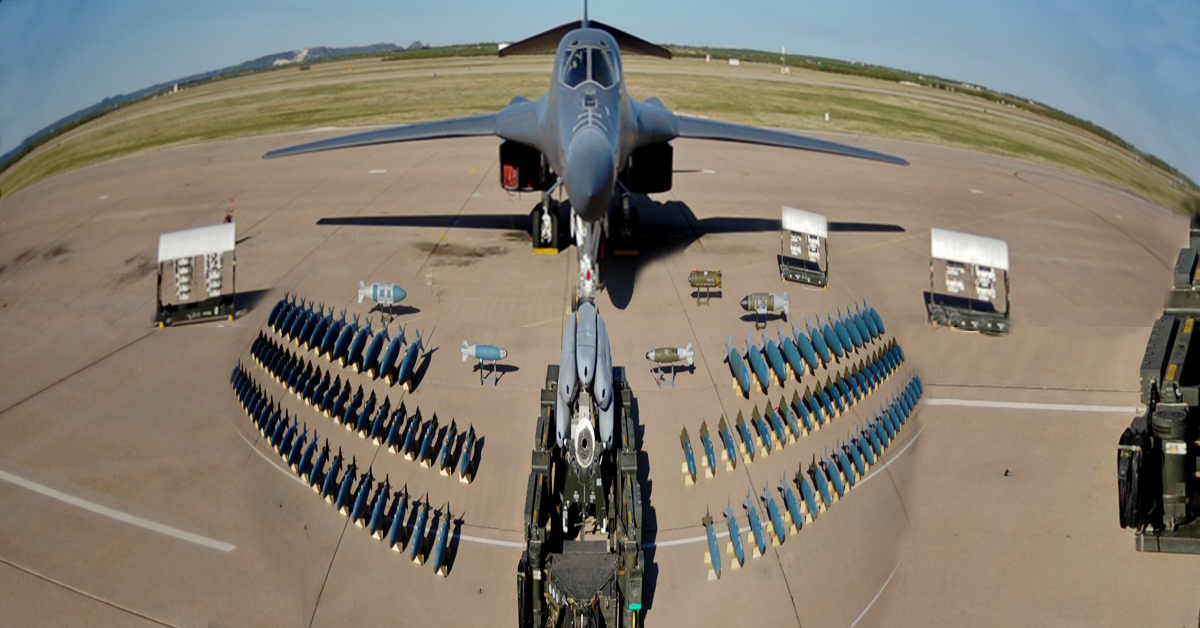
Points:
x=591 y=174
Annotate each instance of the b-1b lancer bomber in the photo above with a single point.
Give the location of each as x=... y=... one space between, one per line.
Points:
x=586 y=136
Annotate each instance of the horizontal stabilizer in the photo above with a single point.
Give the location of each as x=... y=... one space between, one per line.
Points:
x=548 y=40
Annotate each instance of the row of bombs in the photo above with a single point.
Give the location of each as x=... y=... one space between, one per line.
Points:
x=394 y=429
x=383 y=515
x=791 y=421
x=832 y=475
x=348 y=344
x=774 y=362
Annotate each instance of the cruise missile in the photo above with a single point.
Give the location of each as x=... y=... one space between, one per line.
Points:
x=773 y=515
x=793 y=506
x=482 y=352
x=760 y=538
x=399 y=512
x=714 y=555
x=670 y=355
x=747 y=438
x=354 y=354
x=741 y=378
x=382 y=293
x=441 y=542
x=762 y=302
x=757 y=364
x=735 y=535
x=775 y=360
x=730 y=445
x=416 y=543
x=687 y=454
x=464 y=459
x=706 y=440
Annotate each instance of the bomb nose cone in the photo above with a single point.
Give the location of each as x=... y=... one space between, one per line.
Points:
x=591 y=174
x=745 y=303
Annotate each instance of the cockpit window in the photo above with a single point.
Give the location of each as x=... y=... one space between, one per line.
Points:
x=575 y=70
x=603 y=70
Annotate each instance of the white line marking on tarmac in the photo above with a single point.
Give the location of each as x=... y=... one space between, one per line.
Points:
x=287 y=472
x=377 y=172
x=860 y=615
x=975 y=191
x=476 y=539
x=1022 y=405
x=117 y=515
x=704 y=539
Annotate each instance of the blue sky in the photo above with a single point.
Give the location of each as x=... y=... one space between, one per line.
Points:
x=1132 y=66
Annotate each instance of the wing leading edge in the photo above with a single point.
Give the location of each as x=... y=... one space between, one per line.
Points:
x=453 y=127
x=703 y=129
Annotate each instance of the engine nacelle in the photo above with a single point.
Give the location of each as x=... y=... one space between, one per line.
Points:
x=523 y=168
x=649 y=169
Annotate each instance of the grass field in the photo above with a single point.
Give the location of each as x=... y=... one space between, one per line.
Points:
x=372 y=92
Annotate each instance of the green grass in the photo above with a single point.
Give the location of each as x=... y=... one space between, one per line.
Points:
x=368 y=91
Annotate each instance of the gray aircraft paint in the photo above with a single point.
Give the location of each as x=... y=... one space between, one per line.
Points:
x=587 y=126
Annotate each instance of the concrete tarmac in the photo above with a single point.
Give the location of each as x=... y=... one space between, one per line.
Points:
x=137 y=492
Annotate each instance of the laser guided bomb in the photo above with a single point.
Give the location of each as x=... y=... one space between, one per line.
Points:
x=583 y=479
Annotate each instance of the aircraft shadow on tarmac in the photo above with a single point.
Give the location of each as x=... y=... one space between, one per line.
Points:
x=666 y=228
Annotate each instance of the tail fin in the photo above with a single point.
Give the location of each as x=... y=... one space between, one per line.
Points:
x=690 y=354
x=787 y=309
x=464 y=351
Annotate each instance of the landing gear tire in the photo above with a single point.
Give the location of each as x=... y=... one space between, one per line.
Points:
x=544 y=227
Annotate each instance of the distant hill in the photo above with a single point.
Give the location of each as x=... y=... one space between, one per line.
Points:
x=266 y=62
